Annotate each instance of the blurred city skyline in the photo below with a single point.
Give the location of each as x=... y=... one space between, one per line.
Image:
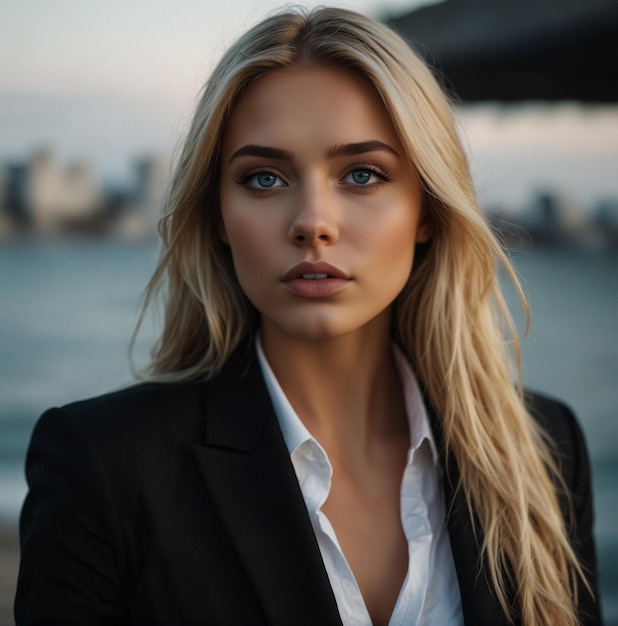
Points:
x=108 y=83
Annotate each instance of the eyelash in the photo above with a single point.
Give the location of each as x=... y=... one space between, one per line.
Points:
x=383 y=176
x=244 y=178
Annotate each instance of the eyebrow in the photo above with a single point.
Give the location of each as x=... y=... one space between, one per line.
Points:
x=347 y=149
x=262 y=151
x=351 y=149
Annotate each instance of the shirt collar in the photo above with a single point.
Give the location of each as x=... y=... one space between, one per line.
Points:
x=418 y=420
x=295 y=432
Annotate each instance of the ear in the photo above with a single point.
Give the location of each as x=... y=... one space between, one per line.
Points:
x=425 y=229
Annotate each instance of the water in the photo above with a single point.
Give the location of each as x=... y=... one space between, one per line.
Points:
x=67 y=310
x=572 y=353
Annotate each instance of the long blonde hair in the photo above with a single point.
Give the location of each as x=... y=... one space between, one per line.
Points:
x=451 y=319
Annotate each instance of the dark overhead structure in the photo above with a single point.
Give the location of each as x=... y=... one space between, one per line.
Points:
x=516 y=50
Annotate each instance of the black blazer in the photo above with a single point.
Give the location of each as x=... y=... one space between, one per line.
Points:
x=178 y=504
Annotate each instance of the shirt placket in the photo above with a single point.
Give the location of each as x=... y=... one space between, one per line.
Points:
x=417 y=529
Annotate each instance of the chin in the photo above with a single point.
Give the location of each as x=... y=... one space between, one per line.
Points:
x=317 y=332
x=322 y=328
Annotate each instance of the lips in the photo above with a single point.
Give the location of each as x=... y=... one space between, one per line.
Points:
x=315 y=280
x=314 y=271
x=314 y=276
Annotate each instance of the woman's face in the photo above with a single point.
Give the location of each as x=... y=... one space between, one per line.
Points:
x=321 y=206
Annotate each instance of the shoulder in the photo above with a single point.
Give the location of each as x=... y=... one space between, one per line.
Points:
x=145 y=402
x=135 y=397
x=556 y=419
x=568 y=446
x=147 y=407
x=141 y=427
x=151 y=416
x=564 y=432
x=552 y=414
x=124 y=443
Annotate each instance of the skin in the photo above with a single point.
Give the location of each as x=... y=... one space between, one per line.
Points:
x=313 y=171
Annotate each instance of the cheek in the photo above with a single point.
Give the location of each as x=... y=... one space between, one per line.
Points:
x=394 y=256
x=396 y=237
x=240 y=229
x=399 y=258
x=245 y=255
x=251 y=248
x=240 y=235
x=247 y=229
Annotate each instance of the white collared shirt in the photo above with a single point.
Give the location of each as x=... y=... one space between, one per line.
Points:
x=430 y=594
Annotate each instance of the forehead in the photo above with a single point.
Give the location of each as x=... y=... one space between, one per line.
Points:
x=293 y=104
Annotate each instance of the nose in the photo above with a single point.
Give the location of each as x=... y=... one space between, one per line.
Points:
x=314 y=222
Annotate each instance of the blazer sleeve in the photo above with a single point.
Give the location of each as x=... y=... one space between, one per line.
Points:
x=577 y=505
x=72 y=550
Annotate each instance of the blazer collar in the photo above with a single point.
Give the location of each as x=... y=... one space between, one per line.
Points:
x=247 y=468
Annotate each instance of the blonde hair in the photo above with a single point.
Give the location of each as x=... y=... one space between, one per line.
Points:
x=451 y=319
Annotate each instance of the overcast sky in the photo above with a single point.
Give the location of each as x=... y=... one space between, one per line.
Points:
x=110 y=80
x=106 y=79
x=131 y=46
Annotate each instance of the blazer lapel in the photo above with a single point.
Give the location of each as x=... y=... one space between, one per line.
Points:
x=247 y=468
x=479 y=604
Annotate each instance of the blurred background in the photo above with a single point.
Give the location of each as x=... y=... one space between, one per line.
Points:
x=95 y=96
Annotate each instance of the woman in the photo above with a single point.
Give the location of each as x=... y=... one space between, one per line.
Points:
x=330 y=433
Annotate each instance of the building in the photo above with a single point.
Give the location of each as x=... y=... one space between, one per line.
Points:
x=39 y=194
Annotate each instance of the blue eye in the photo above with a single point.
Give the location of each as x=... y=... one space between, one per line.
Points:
x=367 y=176
x=361 y=177
x=266 y=179
x=260 y=180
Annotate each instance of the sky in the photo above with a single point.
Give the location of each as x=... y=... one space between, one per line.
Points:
x=111 y=81
x=102 y=80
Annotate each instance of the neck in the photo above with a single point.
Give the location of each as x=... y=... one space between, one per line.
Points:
x=345 y=389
